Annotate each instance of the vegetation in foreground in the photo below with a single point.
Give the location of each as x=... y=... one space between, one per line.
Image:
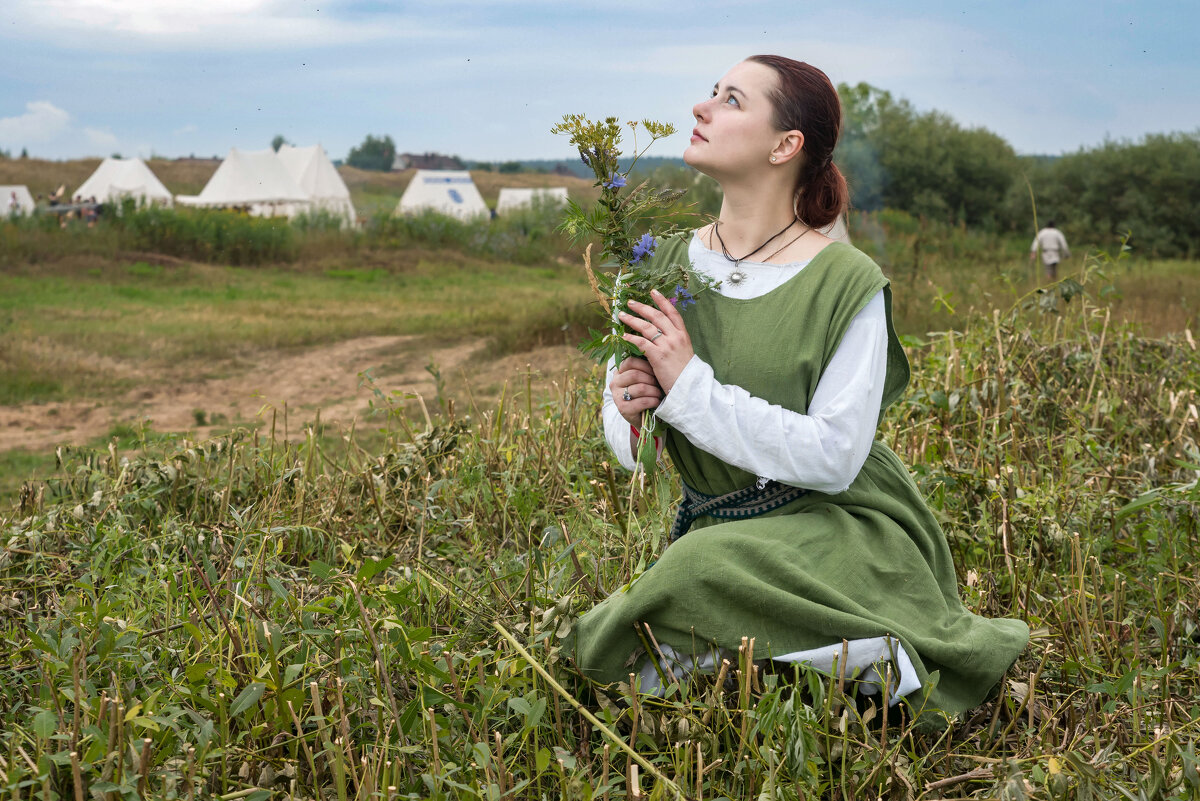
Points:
x=251 y=618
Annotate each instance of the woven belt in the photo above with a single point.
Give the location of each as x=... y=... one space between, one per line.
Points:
x=751 y=501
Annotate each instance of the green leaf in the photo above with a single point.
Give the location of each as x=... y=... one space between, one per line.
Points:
x=409 y=722
x=433 y=697
x=372 y=568
x=321 y=570
x=247 y=698
x=194 y=630
x=45 y=723
x=95 y=751
x=277 y=587
x=198 y=671
x=292 y=671
x=1141 y=502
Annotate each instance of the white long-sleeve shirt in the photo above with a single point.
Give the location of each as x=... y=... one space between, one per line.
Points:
x=822 y=450
x=1053 y=245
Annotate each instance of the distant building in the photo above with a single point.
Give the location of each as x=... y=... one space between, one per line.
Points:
x=427 y=161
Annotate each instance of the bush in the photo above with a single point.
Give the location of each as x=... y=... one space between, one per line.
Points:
x=211 y=235
x=524 y=236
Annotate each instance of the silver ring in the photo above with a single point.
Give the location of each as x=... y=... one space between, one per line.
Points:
x=656 y=336
x=626 y=396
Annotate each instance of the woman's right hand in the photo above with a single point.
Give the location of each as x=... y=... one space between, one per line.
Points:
x=635 y=378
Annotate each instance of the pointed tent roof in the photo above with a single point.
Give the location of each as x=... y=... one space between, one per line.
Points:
x=315 y=174
x=118 y=178
x=20 y=192
x=450 y=192
x=249 y=177
x=516 y=197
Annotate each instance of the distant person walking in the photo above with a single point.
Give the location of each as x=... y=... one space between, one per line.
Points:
x=1054 y=249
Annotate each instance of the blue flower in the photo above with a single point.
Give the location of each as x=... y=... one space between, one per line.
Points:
x=682 y=298
x=643 y=248
x=614 y=181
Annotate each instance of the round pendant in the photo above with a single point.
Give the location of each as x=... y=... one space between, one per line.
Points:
x=736 y=277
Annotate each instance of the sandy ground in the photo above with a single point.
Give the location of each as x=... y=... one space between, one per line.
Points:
x=325 y=378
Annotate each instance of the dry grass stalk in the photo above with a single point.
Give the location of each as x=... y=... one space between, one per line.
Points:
x=591 y=277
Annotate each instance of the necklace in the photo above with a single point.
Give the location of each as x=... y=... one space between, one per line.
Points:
x=736 y=275
x=791 y=241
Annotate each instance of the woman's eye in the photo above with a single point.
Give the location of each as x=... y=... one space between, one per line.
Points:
x=732 y=100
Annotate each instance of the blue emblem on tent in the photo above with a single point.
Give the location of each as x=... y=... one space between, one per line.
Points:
x=455 y=196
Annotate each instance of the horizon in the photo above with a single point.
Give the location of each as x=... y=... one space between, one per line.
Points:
x=486 y=81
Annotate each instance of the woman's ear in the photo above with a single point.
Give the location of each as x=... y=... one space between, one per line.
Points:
x=790 y=145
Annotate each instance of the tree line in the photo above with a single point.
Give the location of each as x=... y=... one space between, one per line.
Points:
x=928 y=165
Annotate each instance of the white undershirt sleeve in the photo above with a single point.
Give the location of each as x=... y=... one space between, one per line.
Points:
x=822 y=450
x=616 y=427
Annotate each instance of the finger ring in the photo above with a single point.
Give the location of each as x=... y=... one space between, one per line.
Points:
x=656 y=336
x=626 y=396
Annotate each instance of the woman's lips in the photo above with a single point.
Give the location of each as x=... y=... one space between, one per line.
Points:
x=696 y=137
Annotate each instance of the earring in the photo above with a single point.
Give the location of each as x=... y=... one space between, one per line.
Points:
x=773 y=159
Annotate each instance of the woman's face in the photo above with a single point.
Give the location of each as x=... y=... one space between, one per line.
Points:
x=735 y=130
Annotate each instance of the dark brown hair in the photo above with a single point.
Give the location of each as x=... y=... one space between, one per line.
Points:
x=806 y=101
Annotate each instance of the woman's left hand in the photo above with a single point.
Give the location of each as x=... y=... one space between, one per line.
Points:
x=661 y=335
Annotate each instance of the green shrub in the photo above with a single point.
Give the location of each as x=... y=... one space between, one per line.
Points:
x=212 y=235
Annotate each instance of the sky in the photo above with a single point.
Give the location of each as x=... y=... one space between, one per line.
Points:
x=486 y=80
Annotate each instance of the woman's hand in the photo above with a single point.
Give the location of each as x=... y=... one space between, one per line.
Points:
x=662 y=336
x=635 y=389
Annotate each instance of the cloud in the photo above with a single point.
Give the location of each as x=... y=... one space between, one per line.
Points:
x=99 y=138
x=41 y=122
x=219 y=24
x=191 y=127
x=48 y=129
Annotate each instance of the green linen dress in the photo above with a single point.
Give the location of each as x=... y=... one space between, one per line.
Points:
x=868 y=562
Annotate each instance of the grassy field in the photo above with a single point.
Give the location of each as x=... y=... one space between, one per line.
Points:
x=307 y=608
x=254 y=617
x=64 y=329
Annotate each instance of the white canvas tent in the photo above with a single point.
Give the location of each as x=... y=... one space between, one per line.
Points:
x=450 y=192
x=517 y=198
x=117 y=179
x=15 y=200
x=256 y=179
x=316 y=176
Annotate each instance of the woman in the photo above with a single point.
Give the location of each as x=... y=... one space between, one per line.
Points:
x=802 y=532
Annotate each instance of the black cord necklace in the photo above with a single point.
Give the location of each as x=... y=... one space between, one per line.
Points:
x=737 y=276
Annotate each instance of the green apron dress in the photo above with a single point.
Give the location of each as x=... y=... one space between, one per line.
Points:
x=868 y=562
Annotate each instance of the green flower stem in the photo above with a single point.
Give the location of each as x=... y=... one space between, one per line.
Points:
x=647 y=453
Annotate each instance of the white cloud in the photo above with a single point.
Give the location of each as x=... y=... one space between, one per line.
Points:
x=46 y=129
x=99 y=138
x=41 y=122
x=191 y=127
x=213 y=24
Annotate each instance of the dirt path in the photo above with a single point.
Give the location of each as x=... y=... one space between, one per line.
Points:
x=325 y=377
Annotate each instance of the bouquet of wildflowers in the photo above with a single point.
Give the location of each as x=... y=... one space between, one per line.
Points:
x=617 y=218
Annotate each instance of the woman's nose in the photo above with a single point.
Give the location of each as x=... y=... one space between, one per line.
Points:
x=700 y=109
